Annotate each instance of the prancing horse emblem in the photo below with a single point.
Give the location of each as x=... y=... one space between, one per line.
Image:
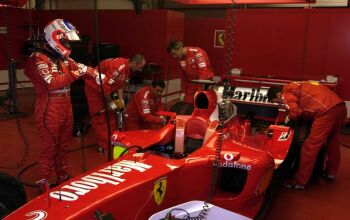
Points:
x=159 y=190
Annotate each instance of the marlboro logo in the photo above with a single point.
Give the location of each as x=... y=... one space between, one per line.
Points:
x=247 y=94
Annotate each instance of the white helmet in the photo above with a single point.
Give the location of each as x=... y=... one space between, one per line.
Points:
x=58 y=33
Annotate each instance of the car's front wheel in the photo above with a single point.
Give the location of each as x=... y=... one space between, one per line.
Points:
x=12 y=194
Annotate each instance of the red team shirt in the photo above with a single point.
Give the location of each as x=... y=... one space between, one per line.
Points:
x=116 y=72
x=195 y=65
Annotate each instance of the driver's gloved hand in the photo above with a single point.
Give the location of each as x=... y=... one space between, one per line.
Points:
x=164 y=120
x=291 y=123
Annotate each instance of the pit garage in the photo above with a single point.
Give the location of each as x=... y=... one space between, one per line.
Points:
x=174 y=109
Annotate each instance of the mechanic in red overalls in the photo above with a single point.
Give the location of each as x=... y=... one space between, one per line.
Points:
x=311 y=100
x=194 y=64
x=143 y=106
x=52 y=71
x=116 y=72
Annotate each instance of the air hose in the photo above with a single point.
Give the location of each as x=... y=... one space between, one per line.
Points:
x=13 y=110
x=100 y=80
x=19 y=175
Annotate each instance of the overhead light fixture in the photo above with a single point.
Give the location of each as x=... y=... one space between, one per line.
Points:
x=226 y=2
x=12 y=3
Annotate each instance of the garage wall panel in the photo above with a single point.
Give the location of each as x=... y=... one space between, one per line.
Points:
x=338 y=50
x=253 y=42
x=17 y=20
x=199 y=32
x=288 y=43
x=317 y=45
x=272 y=42
x=175 y=31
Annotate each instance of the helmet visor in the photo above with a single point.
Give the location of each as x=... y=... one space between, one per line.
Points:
x=72 y=36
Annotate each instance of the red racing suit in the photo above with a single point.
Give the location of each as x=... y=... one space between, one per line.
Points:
x=328 y=112
x=141 y=110
x=116 y=71
x=195 y=65
x=53 y=110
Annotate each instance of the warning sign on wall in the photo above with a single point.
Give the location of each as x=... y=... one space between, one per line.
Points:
x=219 y=38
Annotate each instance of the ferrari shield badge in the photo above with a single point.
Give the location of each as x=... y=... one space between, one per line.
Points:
x=159 y=190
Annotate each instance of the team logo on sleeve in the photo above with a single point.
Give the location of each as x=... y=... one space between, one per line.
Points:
x=41 y=66
x=48 y=78
x=145 y=107
x=111 y=81
x=121 y=67
x=118 y=75
x=202 y=65
x=198 y=55
x=44 y=71
x=54 y=68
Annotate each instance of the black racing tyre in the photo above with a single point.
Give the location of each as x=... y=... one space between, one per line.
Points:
x=291 y=163
x=182 y=108
x=12 y=194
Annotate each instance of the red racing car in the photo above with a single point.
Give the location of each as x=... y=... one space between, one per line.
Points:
x=212 y=155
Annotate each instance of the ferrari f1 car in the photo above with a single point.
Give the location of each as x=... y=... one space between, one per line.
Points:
x=212 y=156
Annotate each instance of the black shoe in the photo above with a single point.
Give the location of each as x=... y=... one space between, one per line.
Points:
x=291 y=185
x=62 y=178
x=295 y=186
x=328 y=177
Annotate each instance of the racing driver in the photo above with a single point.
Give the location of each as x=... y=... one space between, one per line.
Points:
x=52 y=71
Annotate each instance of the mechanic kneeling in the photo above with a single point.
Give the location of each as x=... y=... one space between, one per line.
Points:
x=311 y=100
x=143 y=106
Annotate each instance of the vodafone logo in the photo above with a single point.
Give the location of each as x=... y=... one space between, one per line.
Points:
x=231 y=163
x=228 y=156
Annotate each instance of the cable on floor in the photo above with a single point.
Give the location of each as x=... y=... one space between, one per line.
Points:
x=33 y=164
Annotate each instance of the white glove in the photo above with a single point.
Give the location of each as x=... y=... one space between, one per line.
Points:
x=182 y=96
x=286 y=120
x=113 y=106
x=98 y=78
x=82 y=69
x=89 y=72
